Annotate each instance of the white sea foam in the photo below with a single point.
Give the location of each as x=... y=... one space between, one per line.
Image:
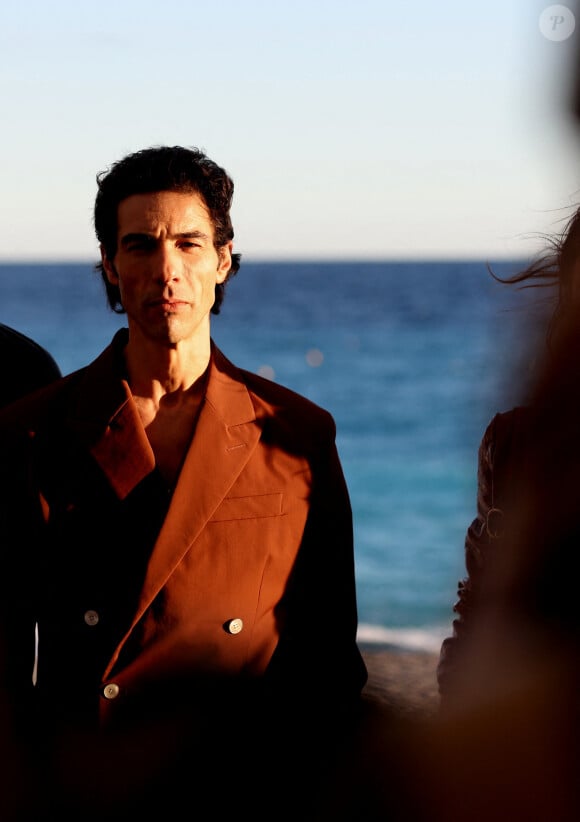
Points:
x=415 y=639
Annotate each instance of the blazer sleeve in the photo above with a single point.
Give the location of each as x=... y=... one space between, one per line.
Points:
x=317 y=664
x=481 y=540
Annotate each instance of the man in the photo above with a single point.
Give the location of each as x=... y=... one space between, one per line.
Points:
x=178 y=533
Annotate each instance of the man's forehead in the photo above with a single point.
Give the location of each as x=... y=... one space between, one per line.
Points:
x=181 y=210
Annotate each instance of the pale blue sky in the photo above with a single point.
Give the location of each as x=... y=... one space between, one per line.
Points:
x=352 y=129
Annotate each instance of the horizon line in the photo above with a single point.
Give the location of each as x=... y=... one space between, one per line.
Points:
x=316 y=258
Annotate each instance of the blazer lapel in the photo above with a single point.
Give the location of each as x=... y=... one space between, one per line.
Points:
x=105 y=417
x=225 y=437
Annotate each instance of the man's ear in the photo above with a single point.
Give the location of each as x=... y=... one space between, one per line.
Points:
x=225 y=261
x=108 y=267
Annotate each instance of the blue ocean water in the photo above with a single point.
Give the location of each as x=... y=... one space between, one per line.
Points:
x=411 y=358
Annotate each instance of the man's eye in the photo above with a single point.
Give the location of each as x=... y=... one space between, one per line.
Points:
x=189 y=244
x=144 y=244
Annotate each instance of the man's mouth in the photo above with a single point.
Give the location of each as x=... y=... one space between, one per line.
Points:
x=167 y=304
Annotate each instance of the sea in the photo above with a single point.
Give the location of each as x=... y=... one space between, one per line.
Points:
x=412 y=358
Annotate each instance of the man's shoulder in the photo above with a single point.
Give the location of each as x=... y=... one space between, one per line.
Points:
x=281 y=396
x=274 y=399
x=33 y=410
x=54 y=400
x=294 y=417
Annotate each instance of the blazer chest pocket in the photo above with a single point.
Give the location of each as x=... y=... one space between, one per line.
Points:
x=252 y=507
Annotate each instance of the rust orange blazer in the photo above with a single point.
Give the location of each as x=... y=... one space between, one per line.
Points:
x=244 y=572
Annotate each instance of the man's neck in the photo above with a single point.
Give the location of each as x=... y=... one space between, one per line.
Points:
x=155 y=370
x=168 y=386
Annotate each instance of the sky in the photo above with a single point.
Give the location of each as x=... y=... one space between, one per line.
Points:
x=352 y=130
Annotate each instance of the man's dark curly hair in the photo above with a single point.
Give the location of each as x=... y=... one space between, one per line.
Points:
x=163 y=168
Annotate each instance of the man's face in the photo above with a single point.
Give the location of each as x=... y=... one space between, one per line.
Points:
x=166 y=265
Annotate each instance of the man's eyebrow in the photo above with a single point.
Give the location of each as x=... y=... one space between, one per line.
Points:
x=192 y=235
x=136 y=236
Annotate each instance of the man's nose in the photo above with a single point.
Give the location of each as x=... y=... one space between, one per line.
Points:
x=167 y=264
